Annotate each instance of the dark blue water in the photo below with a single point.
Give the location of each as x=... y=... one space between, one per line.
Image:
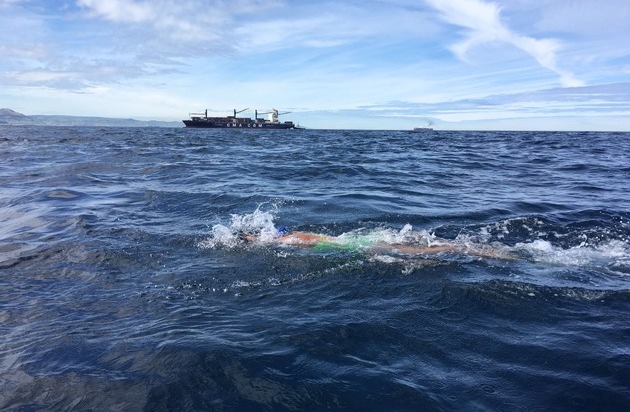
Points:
x=123 y=285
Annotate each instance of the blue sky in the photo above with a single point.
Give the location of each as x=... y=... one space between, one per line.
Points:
x=396 y=64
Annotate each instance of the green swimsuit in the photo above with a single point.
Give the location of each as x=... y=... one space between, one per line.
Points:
x=355 y=243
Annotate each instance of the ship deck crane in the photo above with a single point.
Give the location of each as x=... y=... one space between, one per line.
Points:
x=240 y=111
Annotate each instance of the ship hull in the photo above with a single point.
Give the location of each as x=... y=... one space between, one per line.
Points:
x=209 y=124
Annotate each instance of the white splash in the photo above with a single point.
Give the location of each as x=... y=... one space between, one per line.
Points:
x=259 y=222
x=388 y=236
x=581 y=255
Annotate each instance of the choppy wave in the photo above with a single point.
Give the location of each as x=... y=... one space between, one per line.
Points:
x=126 y=282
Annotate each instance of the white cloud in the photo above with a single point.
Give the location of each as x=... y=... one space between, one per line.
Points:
x=484 y=25
x=162 y=24
x=127 y=11
x=185 y=21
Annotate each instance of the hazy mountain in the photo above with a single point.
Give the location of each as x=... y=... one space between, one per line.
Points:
x=11 y=117
x=10 y=114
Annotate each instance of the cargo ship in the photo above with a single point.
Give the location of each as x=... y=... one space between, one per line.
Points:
x=201 y=120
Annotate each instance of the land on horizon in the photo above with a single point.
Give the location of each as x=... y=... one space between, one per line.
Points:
x=11 y=117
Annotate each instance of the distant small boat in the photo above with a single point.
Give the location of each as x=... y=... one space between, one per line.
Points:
x=428 y=128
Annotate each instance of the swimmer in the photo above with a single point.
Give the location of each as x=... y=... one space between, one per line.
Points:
x=319 y=241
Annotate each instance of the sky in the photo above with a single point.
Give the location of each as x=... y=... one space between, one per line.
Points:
x=355 y=64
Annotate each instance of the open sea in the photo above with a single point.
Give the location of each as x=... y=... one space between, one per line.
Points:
x=124 y=284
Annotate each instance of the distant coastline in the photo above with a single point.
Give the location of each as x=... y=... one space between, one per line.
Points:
x=13 y=118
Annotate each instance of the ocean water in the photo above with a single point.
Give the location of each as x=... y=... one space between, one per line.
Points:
x=125 y=282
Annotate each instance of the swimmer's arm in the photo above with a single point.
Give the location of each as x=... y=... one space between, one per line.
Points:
x=296 y=238
x=488 y=251
x=475 y=250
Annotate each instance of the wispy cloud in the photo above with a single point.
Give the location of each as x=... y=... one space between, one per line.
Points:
x=602 y=100
x=121 y=10
x=104 y=42
x=199 y=22
x=484 y=25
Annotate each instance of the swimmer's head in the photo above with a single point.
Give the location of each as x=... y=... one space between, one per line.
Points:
x=282 y=231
